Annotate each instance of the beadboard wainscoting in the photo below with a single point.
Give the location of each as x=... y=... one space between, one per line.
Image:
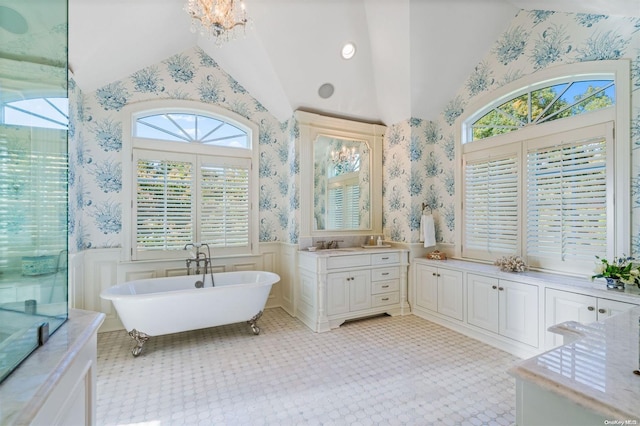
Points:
x=92 y=271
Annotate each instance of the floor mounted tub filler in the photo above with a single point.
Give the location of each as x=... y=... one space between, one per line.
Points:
x=157 y=306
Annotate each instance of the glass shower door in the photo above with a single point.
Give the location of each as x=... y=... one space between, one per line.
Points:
x=33 y=176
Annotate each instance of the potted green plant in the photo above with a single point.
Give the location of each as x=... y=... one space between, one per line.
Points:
x=619 y=272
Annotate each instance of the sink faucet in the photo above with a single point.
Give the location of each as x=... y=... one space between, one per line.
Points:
x=333 y=244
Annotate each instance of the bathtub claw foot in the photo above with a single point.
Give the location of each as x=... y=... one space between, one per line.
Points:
x=252 y=322
x=140 y=339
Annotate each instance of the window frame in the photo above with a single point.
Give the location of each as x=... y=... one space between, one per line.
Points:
x=618 y=177
x=130 y=142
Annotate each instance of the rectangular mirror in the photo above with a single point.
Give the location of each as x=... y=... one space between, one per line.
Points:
x=341 y=176
x=341 y=193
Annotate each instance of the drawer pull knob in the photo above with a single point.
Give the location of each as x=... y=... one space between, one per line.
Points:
x=385 y=273
x=602 y=311
x=385 y=258
x=438 y=274
x=434 y=274
x=494 y=287
x=385 y=298
x=500 y=288
x=591 y=308
x=385 y=286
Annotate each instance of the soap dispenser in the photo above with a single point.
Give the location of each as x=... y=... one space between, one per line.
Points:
x=379 y=240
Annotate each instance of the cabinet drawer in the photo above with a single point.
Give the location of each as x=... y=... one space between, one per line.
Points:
x=335 y=262
x=384 y=258
x=384 y=274
x=378 y=287
x=385 y=299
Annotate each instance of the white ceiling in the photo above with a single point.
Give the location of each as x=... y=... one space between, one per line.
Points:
x=413 y=55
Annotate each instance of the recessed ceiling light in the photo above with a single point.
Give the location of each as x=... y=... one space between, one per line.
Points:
x=348 y=50
x=325 y=91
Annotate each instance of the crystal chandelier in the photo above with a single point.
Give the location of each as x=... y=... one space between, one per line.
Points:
x=345 y=160
x=216 y=18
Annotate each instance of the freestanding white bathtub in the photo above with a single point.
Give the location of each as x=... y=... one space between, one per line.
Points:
x=157 y=306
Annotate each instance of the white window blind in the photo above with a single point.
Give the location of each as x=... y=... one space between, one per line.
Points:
x=33 y=168
x=184 y=198
x=343 y=206
x=491 y=207
x=164 y=212
x=567 y=202
x=225 y=204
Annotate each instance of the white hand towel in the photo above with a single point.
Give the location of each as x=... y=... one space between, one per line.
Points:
x=427 y=231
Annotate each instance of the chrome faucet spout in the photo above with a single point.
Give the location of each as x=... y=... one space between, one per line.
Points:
x=200 y=258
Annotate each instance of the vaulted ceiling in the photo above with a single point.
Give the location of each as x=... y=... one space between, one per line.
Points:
x=412 y=55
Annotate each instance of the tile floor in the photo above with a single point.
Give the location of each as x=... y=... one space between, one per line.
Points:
x=382 y=370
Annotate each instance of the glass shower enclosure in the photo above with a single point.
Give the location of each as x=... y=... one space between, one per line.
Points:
x=33 y=176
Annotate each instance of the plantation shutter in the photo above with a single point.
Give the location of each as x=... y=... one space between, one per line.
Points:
x=164 y=213
x=225 y=203
x=491 y=207
x=335 y=207
x=352 y=215
x=33 y=167
x=344 y=206
x=567 y=202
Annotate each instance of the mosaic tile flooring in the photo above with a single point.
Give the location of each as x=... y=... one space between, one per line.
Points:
x=378 y=371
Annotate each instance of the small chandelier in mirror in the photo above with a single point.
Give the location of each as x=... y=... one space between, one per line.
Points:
x=216 y=18
x=345 y=160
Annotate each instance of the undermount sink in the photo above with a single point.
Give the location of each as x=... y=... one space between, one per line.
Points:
x=337 y=250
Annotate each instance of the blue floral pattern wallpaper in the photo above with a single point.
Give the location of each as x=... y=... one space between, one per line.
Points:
x=96 y=123
x=419 y=153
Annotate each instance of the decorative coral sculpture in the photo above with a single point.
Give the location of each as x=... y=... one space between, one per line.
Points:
x=511 y=264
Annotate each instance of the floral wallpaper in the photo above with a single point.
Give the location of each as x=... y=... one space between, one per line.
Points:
x=96 y=158
x=419 y=153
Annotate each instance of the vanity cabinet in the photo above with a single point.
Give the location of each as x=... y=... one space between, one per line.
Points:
x=335 y=286
x=440 y=290
x=562 y=306
x=510 y=311
x=348 y=292
x=505 y=307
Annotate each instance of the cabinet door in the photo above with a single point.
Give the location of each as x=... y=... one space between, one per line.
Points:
x=427 y=287
x=450 y=293
x=338 y=293
x=608 y=308
x=518 y=309
x=359 y=290
x=562 y=306
x=482 y=302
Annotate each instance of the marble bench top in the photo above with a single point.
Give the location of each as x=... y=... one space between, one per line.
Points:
x=595 y=370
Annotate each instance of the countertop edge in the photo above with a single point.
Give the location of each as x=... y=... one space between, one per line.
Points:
x=586 y=401
x=613 y=399
x=29 y=410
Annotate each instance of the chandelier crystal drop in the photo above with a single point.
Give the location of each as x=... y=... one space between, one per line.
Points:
x=217 y=19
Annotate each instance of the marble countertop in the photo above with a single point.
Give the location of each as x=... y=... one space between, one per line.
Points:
x=596 y=370
x=25 y=390
x=584 y=285
x=352 y=250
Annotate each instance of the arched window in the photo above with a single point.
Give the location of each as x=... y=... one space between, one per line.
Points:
x=542 y=103
x=191 y=128
x=193 y=181
x=51 y=113
x=541 y=167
